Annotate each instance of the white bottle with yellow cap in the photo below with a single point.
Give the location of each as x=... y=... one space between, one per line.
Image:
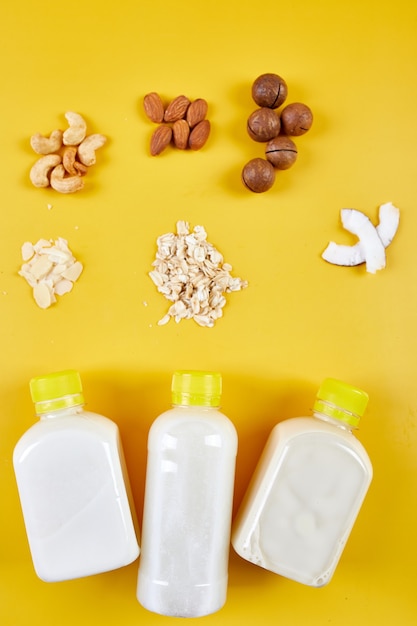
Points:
x=188 y=501
x=73 y=485
x=307 y=490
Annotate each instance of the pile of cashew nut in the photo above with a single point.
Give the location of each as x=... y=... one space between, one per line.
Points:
x=66 y=155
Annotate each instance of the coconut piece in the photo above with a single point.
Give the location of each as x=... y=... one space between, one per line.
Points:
x=360 y=225
x=389 y=216
x=389 y=219
x=338 y=254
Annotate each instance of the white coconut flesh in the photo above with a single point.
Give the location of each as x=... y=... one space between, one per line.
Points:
x=389 y=219
x=370 y=248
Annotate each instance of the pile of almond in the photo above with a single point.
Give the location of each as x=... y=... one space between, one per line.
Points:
x=181 y=122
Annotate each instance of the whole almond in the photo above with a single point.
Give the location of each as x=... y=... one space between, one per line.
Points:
x=196 y=112
x=180 y=132
x=176 y=109
x=160 y=139
x=154 y=107
x=199 y=135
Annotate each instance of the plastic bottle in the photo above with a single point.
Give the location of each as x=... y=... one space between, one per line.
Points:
x=188 y=501
x=307 y=490
x=73 y=485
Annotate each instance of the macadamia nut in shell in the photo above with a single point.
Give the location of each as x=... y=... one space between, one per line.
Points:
x=269 y=90
x=296 y=119
x=258 y=175
x=281 y=152
x=263 y=124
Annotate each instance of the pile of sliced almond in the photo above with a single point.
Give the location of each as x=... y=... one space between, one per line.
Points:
x=181 y=122
x=50 y=269
x=191 y=273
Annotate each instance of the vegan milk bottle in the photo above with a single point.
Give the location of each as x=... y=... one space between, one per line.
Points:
x=73 y=485
x=307 y=490
x=186 y=524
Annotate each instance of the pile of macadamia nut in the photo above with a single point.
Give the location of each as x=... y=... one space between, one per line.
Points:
x=66 y=155
x=274 y=128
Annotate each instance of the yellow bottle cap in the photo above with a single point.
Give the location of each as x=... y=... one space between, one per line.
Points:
x=341 y=401
x=56 y=391
x=196 y=388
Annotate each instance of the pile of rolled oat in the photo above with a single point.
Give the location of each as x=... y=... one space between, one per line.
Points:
x=190 y=272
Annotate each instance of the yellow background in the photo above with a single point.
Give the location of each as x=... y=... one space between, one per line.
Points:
x=299 y=321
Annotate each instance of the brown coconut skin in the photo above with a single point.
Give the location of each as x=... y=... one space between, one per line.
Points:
x=258 y=175
x=269 y=90
x=263 y=124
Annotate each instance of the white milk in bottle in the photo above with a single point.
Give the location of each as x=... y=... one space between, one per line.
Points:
x=307 y=490
x=186 y=524
x=73 y=485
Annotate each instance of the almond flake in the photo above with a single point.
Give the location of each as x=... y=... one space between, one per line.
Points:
x=63 y=286
x=42 y=295
x=41 y=267
x=58 y=256
x=27 y=251
x=42 y=243
x=73 y=272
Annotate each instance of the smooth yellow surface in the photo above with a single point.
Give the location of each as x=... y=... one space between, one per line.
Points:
x=299 y=321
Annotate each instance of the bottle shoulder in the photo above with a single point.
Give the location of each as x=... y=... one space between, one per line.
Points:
x=298 y=426
x=197 y=420
x=80 y=423
x=291 y=430
x=179 y=414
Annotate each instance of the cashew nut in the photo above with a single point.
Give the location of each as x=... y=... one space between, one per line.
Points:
x=46 y=145
x=86 y=150
x=70 y=163
x=64 y=184
x=80 y=168
x=76 y=131
x=40 y=170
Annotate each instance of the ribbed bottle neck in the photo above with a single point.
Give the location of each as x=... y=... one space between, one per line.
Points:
x=338 y=417
x=59 y=405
